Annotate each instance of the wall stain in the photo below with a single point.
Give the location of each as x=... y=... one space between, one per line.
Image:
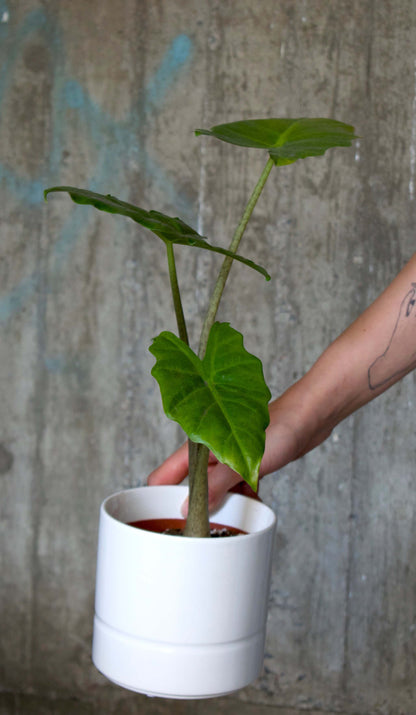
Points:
x=6 y=459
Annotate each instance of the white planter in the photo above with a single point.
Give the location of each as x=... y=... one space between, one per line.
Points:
x=178 y=617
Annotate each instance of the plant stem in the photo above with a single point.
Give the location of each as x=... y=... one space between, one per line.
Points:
x=192 y=455
x=183 y=334
x=197 y=523
x=174 y=285
x=198 y=518
x=227 y=263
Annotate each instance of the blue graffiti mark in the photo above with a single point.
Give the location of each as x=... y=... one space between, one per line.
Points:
x=31 y=192
x=75 y=367
x=112 y=139
x=74 y=95
x=176 y=56
x=16 y=299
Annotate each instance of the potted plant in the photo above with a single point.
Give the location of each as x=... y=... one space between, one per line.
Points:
x=185 y=617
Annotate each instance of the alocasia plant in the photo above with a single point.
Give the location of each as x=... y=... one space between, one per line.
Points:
x=218 y=395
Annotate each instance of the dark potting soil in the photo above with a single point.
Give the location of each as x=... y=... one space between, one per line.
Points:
x=175 y=527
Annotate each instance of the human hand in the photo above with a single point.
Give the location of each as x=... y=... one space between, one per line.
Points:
x=221 y=478
x=287 y=438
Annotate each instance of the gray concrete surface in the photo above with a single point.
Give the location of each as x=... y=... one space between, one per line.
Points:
x=107 y=95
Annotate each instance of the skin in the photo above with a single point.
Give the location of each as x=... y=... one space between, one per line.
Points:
x=374 y=352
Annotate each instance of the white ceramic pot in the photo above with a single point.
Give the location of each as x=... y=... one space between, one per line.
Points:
x=178 y=617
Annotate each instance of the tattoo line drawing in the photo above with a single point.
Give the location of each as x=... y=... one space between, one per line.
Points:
x=400 y=354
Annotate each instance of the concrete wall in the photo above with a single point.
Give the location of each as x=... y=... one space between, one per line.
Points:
x=106 y=95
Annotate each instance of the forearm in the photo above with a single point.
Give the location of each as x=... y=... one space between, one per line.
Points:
x=371 y=355
x=377 y=350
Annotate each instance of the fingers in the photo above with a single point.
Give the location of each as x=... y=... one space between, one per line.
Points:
x=173 y=470
x=245 y=489
x=220 y=480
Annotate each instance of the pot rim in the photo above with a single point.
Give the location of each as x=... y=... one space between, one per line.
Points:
x=230 y=496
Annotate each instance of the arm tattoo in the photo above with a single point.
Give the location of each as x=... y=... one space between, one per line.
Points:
x=399 y=356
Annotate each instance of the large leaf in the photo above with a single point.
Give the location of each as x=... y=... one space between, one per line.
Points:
x=171 y=230
x=286 y=140
x=220 y=401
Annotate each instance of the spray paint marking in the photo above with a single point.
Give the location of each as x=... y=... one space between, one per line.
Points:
x=112 y=138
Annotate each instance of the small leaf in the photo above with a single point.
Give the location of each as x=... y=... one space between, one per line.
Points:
x=220 y=401
x=172 y=230
x=286 y=140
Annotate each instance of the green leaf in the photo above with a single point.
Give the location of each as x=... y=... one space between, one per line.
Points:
x=171 y=230
x=220 y=401
x=286 y=140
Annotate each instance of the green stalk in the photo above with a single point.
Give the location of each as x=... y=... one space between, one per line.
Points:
x=197 y=523
x=174 y=285
x=227 y=263
x=198 y=519
x=183 y=334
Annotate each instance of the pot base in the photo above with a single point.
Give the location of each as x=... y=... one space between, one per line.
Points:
x=186 y=672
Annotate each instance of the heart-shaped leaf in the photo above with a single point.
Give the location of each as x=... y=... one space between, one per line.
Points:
x=220 y=401
x=171 y=230
x=286 y=140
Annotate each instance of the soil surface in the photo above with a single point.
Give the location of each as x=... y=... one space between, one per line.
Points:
x=175 y=527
